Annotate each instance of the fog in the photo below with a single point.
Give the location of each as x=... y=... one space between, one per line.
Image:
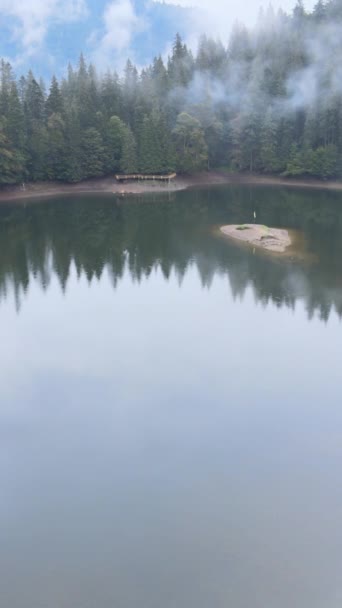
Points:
x=110 y=31
x=217 y=17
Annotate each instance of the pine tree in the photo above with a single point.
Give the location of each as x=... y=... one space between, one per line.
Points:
x=181 y=64
x=150 y=152
x=269 y=158
x=92 y=153
x=37 y=138
x=129 y=161
x=110 y=95
x=192 y=151
x=115 y=136
x=168 y=161
x=299 y=11
x=130 y=89
x=73 y=168
x=34 y=100
x=320 y=11
x=6 y=80
x=10 y=164
x=15 y=123
x=56 y=161
x=160 y=81
x=54 y=103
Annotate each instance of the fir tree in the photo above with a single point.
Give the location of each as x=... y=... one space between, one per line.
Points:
x=129 y=161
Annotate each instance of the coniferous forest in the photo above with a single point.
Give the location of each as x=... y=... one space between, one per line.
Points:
x=270 y=101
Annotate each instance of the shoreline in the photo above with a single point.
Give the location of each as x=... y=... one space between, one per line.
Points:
x=108 y=185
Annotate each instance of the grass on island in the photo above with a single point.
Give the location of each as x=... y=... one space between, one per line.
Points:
x=246 y=227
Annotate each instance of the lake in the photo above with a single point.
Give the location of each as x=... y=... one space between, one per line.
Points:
x=171 y=412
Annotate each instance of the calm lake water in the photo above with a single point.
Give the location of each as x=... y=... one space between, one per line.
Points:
x=171 y=410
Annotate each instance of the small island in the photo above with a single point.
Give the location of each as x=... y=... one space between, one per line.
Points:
x=271 y=239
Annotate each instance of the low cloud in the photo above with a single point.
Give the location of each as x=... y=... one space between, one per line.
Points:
x=30 y=20
x=113 y=42
x=217 y=17
x=324 y=72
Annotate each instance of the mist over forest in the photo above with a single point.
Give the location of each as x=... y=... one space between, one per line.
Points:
x=268 y=102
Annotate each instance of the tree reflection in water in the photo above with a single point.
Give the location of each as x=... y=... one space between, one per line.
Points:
x=94 y=234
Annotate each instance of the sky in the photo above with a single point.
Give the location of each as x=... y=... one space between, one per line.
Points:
x=25 y=25
x=220 y=15
x=245 y=10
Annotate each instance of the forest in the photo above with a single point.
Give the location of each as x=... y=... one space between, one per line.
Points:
x=269 y=101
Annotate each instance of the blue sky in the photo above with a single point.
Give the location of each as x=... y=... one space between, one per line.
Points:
x=46 y=34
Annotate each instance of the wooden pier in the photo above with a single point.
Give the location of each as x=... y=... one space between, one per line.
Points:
x=142 y=177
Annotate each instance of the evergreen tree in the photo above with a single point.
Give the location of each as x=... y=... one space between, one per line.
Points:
x=160 y=81
x=110 y=95
x=192 y=151
x=168 y=161
x=246 y=134
x=296 y=165
x=299 y=11
x=129 y=161
x=6 y=80
x=10 y=163
x=150 y=151
x=73 y=162
x=56 y=161
x=34 y=100
x=92 y=153
x=181 y=64
x=320 y=11
x=115 y=137
x=54 y=103
x=130 y=89
x=270 y=161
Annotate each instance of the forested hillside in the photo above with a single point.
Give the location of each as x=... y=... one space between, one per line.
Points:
x=269 y=102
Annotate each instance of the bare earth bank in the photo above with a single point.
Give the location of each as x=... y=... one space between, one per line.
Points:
x=109 y=185
x=271 y=239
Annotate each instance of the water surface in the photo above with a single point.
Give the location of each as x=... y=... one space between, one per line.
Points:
x=170 y=418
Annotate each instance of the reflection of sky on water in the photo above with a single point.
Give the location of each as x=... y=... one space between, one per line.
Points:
x=164 y=445
x=168 y=444
x=138 y=321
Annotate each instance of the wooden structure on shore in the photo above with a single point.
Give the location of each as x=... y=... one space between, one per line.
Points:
x=142 y=177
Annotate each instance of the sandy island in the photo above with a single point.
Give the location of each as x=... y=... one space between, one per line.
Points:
x=271 y=239
x=109 y=185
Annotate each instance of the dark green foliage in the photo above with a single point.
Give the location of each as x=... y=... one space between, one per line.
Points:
x=192 y=150
x=10 y=161
x=265 y=103
x=168 y=161
x=129 y=160
x=181 y=64
x=37 y=150
x=323 y=162
x=114 y=140
x=54 y=103
x=149 y=147
x=92 y=153
x=269 y=156
x=56 y=147
x=296 y=165
x=156 y=151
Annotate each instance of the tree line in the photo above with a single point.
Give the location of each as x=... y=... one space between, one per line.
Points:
x=270 y=102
